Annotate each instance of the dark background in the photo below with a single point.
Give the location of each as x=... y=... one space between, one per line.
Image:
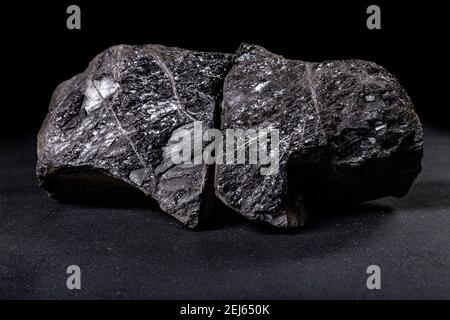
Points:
x=127 y=252
x=41 y=52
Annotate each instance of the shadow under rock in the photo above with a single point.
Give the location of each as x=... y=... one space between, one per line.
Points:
x=322 y=218
x=223 y=217
x=369 y=213
x=135 y=201
x=426 y=195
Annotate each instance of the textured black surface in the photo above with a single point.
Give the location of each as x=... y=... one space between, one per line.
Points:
x=263 y=91
x=109 y=128
x=348 y=133
x=139 y=253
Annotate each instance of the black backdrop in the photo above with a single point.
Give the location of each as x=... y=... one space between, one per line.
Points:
x=39 y=51
x=138 y=253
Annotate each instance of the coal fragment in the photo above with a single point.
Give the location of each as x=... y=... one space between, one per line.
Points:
x=107 y=130
x=265 y=90
x=348 y=133
x=374 y=137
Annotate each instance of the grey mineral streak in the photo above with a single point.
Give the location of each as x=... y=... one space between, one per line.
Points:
x=107 y=128
x=348 y=133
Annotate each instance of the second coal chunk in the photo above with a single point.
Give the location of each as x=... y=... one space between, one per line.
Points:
x=347 y=133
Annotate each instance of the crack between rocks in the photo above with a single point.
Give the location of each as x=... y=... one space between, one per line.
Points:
x=211 y=197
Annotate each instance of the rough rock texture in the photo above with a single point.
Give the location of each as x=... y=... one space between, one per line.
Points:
x=108 y=128
x=264 y=90
x=348 y=133
x=374 y=137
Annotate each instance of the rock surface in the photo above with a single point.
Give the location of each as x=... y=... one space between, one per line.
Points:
x=348 y=133
x=264 y=90
x=108 y=129
x=374 y=137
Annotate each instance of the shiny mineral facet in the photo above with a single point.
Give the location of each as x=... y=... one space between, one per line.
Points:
x=107 y=128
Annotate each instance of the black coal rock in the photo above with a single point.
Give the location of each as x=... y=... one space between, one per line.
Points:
x=347 y=133
x=374 y=137
x=337 y=132
x=263 y=91
x=108 y=129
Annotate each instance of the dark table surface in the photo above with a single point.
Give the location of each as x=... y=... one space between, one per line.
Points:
x=143 y=253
